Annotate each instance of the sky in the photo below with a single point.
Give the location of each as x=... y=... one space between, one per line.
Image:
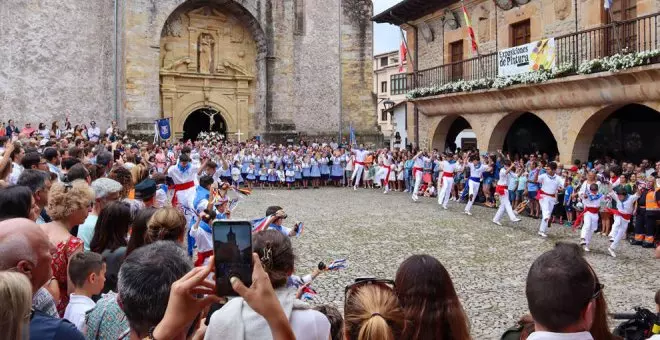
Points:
x=386 y=37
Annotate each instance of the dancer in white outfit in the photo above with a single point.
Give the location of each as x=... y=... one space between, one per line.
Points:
x=549 y=184
x=591 y=201
x=360 y=157
x=418 y=172
x=476 y=170
x=449 y=168
x=624 y=208
x=502 y=190
x=386 y=170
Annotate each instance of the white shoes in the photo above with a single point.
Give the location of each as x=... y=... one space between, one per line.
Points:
x=354 y=188
x=468 y=213
x=498 y=223
x=516 y=220
x=583 y=242
x=415 y=198
x=611 y=251
x=444 y=207
x=586 y=248
x=542 y=234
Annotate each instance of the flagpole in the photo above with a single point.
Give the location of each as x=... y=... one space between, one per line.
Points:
x=473 y=38
x=608 y=8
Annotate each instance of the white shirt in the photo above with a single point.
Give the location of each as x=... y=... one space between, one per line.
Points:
x=179 y=178
x=549 y=184
x=476 y=172
x=626 y=206
x=361 y=155
x=449 y=167
x=560 y=336
x=76 y=309
x=16 y=171
x=94 y=133
x=504 y=178
x=419 y=162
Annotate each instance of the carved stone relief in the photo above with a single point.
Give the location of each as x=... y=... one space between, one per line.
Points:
x=562 y=9
x=483 y=24
x=450 y=20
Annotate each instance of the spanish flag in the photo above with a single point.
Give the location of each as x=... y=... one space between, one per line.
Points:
x=475 y=48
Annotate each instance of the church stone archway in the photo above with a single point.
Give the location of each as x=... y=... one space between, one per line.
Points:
x=203 y=120
x=208 y=58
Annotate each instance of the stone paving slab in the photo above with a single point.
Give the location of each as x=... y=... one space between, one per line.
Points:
x=488 y=263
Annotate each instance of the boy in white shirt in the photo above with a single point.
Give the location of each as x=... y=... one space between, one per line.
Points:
x=87 y=273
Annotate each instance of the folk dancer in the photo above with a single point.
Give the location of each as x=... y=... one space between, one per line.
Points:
x=386 y=169
x=549 y=186
x=200 y=233
x=358 y=164
x=449 y=168
x=591 y=202
x=418 y=172
x=183 y=175
x=503 y=192
x=474 y=182
x=625 y=204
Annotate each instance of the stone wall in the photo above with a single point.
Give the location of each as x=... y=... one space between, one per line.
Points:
x=57 y=58
x=358 y=100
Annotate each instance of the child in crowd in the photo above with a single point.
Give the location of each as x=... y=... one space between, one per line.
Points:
x=263 y=176
x=272 y=175
x=161 y=190
x=280 y=176
x=87 y=273
x=251 y=175
x=569 y=201
x=290 y=175
x=297 y=169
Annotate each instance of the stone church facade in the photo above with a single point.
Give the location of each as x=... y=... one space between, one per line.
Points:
x=246 y=68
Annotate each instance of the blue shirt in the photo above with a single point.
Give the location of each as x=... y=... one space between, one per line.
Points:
x=45 y=327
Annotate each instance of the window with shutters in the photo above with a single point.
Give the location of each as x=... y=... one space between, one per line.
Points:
x=455 y=57
x=383 y=86
x=622 y=37
x=521 y=33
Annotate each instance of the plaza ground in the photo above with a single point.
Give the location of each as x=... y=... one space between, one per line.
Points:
x=488 y=263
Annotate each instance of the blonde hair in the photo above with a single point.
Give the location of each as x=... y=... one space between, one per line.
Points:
x=372 y=312
x=139 y=173
x=65 y=198
x=165 y=224
x=16 y=297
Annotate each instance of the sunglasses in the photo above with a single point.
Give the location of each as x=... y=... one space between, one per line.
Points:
x=598 y=291
x=366 y=281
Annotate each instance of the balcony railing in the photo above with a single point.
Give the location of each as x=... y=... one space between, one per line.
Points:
x=635 y=35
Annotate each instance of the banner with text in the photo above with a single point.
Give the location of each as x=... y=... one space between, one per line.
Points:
x=535 y=56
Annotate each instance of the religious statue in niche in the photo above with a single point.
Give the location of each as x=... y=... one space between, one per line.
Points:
x=206 y=45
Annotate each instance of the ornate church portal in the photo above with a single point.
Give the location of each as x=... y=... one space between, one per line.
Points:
x=207 y=74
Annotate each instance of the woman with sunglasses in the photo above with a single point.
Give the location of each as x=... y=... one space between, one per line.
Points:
x=68 y=206
x=372 y=311
x=428 y=298
x=237 y=320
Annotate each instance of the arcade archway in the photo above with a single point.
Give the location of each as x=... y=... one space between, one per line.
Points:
x=526 y=134
x=203 y=120
x=625 y=133
x=453 y=132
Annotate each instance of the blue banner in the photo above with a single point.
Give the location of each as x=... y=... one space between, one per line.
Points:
x=164 y=128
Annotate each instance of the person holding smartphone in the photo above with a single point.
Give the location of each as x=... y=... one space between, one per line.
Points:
x=238 y=320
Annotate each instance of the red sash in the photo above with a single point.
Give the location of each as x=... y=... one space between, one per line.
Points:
x=580 y=217
x=361 y=163
x=625 y=216
x=202 y=256
x=500 y=190
x=415 y=169
x=386 y=180
x=181 y=187
x=448 y=174
x=541 y=192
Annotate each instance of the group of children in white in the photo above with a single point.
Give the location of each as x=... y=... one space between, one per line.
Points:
x=325 y=164
x=550 y=185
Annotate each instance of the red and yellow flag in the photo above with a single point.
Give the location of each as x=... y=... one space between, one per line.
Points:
x=475 y=48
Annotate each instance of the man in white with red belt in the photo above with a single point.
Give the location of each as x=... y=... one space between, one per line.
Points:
x=625 y=204
x=474 y=182
x=358 y=164
x=387 y=169
x=591 y=202
x=184 y=175
x=418 y=172
x=502 y=190
x=549 y=184
x=449 y=168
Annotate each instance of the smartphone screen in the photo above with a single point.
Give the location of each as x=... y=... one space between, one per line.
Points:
x=232 y=246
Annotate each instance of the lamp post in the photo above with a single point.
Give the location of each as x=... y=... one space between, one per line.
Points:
x=387 y=104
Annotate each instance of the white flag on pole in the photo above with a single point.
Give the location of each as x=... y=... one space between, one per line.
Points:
x=607 y=4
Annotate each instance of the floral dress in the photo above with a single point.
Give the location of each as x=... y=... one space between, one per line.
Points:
x=60 y=264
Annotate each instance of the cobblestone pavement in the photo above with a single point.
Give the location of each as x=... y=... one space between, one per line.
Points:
x=487 y=263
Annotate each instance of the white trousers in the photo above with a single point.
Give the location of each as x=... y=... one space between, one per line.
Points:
x=418 y=182
x=505 y=205
x=357 y=173
x=619 y=229
x=589 y=226
x=445 y=190
x=473 y=192
x=547 y=204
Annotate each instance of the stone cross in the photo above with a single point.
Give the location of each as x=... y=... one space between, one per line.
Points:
x=238 y=135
